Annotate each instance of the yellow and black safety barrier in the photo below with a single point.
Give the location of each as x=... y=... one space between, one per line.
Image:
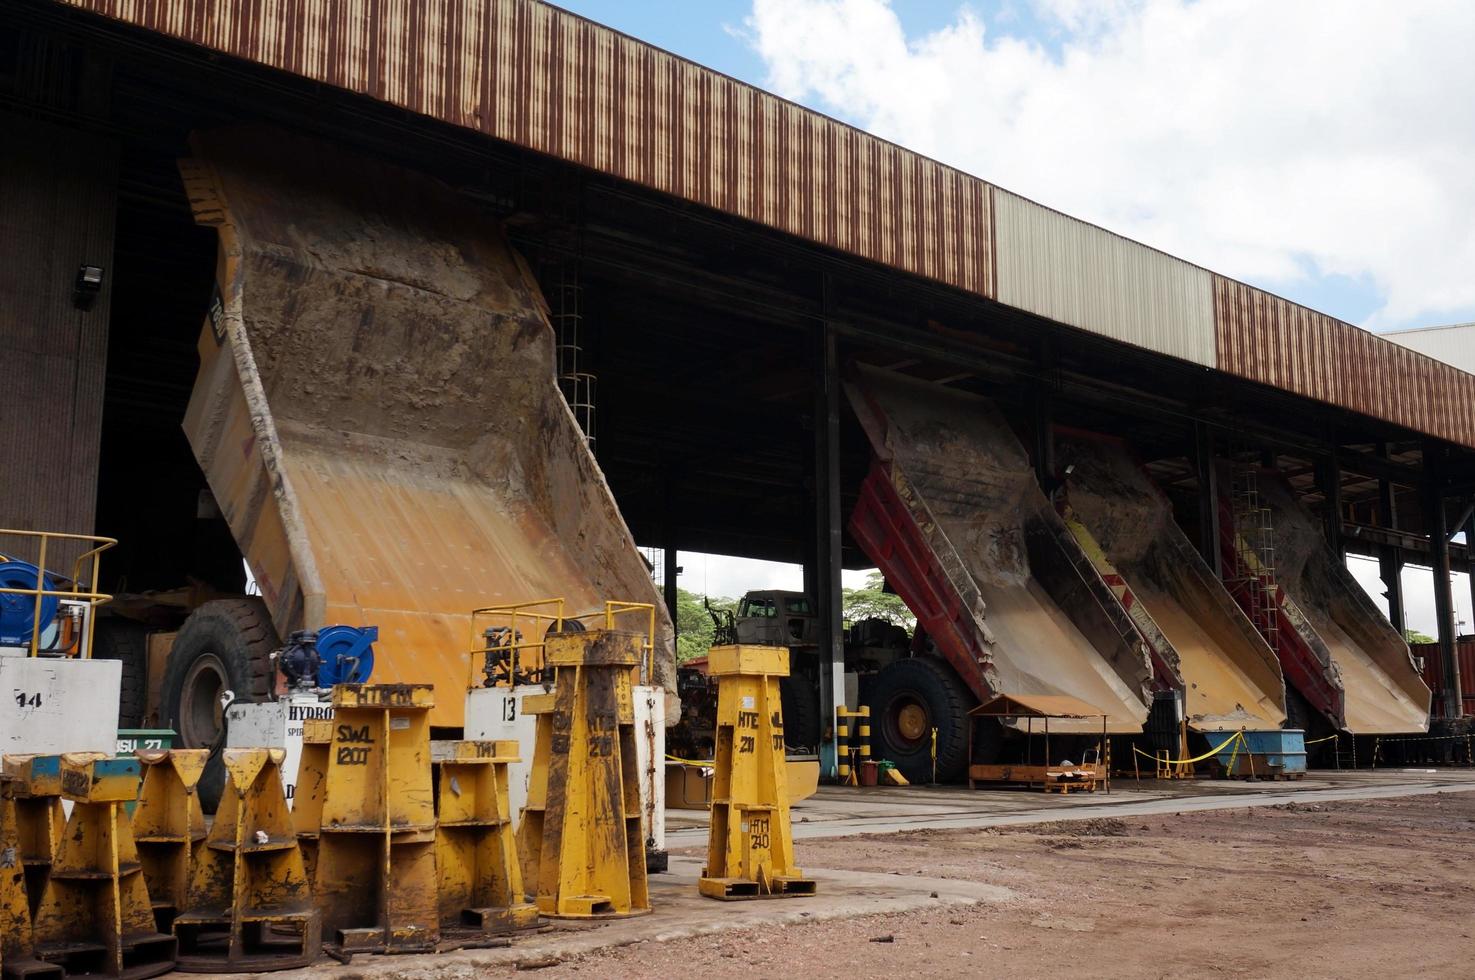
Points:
x=169 y=826
x=750 y=851
x=96 y=869
x=582 y=847
x=249 y=905
x=1171 y=768
x=1467 y=742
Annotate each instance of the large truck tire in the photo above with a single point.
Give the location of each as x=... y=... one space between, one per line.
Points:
x=800 y=702
x=224 y=645
x=910 y=698
x=126 y=641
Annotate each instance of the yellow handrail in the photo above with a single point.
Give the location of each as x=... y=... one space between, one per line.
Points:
x=92 y=599
x=548 y=615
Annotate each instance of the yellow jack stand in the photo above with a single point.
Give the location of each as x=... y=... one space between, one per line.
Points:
x=169 y=827
x=374 y=876
x=35 y=782
x=481 y=893
x=17 y=942
x=249 y=907
x=95 y=917
x=581 y=838
x=750 y=852
x=312 y=788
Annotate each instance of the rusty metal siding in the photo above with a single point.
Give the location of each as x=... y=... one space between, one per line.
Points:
x=57 y=192
x=1081 y=275
x=1267 y=339
x=542 y=78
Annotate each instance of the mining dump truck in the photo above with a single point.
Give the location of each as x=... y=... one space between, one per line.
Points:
x=953 y=517
x=1338 y=649
x=377 y=416
x=1201 y=641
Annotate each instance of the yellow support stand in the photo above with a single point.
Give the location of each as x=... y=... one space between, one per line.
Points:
x=249 y=906
x=312 y=789
x=35 y=783
x=374 y=875
x=169 y=827
x=481 y=892
x=17 y=941
x=750 y=851
x=582 y=845
x=95 y=917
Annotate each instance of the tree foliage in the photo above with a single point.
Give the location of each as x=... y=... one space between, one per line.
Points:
x=873 y=602
x=1414 y=636
x=694 y=626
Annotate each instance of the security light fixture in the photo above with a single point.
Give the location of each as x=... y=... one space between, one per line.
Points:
x=87 y=286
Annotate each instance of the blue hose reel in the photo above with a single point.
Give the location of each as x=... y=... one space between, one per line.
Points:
x=345 y=654
x=18 y=612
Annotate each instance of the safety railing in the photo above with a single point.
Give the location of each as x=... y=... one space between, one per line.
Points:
x=513 y=637
x=29 y=608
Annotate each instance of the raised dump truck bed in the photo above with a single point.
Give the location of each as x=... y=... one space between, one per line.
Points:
x=953 y=516
x=1229 y=676
x=1382 y=689
x=377 y=415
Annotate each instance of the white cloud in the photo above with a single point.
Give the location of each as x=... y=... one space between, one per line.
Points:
x=1275 y=142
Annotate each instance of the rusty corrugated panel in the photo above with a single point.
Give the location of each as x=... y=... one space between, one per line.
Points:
x=1076 y=273
x=57 y=188
x=542 y=78
x=1267 y=339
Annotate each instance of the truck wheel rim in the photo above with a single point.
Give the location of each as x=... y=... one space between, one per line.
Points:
x=911 y=721
x=199 y=708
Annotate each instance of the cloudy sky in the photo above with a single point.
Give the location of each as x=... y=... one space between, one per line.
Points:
x=1317 y=149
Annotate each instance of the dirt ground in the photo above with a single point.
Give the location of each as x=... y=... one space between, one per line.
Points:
x=1367 y=889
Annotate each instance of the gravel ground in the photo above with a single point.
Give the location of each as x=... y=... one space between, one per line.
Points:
x=1304 y=890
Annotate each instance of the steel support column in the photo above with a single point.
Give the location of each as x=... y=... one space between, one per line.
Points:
x=669 y=568
x=827 y=522
x=1390 y=558
x=1436 y=526
x=1329 y=476
x=1208 y=497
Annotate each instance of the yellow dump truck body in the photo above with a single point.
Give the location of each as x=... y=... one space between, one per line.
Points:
x=377 y=414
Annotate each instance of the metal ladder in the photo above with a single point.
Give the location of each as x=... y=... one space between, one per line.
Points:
x=1254 y=553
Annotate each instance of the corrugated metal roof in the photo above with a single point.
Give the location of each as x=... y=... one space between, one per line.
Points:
x=1276 y=342
x=542 y=78
x=1453 y=344
x=1065 y=269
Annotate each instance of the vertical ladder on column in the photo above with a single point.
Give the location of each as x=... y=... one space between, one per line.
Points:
x=1254 y=564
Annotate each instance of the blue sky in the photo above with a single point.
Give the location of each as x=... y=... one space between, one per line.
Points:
x=1307 y=149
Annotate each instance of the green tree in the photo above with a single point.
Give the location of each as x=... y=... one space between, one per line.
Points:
x=873 y=602
x=694 y=626
x=1414 y=636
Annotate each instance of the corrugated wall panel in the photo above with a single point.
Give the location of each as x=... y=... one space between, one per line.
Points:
x=1081 y=275
x=1267 y=339
x=542 y=78
x=57 y=192
x=1454 y=345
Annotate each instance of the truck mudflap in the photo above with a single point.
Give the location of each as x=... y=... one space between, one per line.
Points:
x=377 y=415
x=1384 y=692
x=1229 y=676
x=953 y=517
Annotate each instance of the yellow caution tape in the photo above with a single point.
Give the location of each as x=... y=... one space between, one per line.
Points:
x=709 y=763
x=1318 y=741
x=1237 y=736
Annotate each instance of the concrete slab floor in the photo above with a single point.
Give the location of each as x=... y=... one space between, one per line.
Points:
x=679 y=912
